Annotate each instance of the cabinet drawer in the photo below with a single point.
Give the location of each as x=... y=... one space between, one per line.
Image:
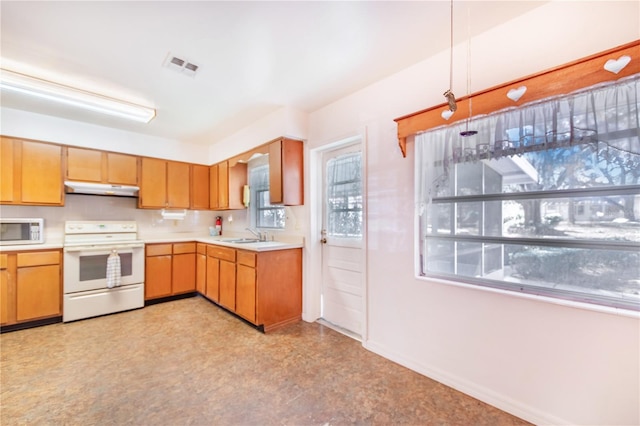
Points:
x=158 y=249
x=38 y=258
x=246 y=258
x=201 y=248
x=223 y=253
x=180 y=248
x=3 y=261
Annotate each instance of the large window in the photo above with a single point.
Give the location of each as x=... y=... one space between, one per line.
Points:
x=264 y=214
x=545 y=199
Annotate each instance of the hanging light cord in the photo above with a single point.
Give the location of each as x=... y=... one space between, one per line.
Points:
x=449 y=96
x=451 y=48
x=469 y=66
x=468 y=132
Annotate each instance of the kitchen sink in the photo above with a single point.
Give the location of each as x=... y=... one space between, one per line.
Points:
x=244 y=241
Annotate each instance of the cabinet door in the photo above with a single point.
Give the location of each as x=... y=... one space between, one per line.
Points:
x=223 y=185
x=7 y=170
x=153 y=184
x=275 y=172
x=201 y=273
x=184 y=273
x=213 y=279
x=84 y=164
x=237 y=179
x=286 y=178
x=38 y=292
x=41 y=173
x=6 y=301
x=228 y=284
x=178 y=185
x=199 y=187
x=214 y=201
x=157 y=282
x=122 y=169
x=246 y=292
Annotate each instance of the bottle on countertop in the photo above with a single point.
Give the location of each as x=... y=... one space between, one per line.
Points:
x=218 y=230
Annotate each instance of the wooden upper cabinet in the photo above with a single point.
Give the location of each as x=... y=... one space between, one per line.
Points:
x=41 y=173
x=153 y=183
x=164 y=184
x=84 y=164
x=199 y=187
x=122 y=169
x=7 y=170
x=226 y=185
x=178 y=185
x=89 y=165
x=286 y=176
x=214 y=202
x=223 y=185
x=31 y=173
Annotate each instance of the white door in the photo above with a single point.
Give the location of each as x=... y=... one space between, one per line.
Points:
x=342 y=238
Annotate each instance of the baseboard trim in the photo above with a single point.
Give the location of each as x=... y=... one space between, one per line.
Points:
x=170 y=298
x=30 y=324
x=481 y=393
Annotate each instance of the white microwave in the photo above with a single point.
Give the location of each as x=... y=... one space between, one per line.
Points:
x=21 y=231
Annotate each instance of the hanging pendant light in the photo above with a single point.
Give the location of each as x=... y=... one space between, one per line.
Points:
x=467 y=132
x=449 y=96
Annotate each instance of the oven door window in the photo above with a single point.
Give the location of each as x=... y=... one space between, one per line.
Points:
x=94 y=267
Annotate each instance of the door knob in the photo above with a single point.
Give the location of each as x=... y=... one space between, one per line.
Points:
x=323 y=241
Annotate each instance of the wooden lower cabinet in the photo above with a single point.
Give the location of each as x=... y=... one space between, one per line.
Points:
x=30 y=286
x=221 y=275
x=5 y=298
x=201 y=268
x=265 y=288
x=228 y=284
x=170 y=269
x=184 y=268
x=213 y=279
x=246 y=293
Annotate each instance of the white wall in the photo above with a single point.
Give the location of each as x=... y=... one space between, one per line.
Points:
x=40 y=127
x=545 y=362
x=285 y=121
x=93 y=207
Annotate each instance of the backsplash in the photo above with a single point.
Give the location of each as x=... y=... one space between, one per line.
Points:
x=94 y=207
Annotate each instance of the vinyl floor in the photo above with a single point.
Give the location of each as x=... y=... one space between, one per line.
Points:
x=187 y=362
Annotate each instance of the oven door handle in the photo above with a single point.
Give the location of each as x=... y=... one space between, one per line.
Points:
x=71 y=249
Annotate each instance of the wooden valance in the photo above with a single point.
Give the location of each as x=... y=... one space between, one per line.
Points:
x=609 y=65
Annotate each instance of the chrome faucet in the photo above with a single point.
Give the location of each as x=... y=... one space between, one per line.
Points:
x=261 y=236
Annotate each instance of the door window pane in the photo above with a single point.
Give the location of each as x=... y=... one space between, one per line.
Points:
x=344 y=196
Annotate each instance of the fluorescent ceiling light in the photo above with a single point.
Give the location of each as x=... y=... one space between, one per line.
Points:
x=32 y=86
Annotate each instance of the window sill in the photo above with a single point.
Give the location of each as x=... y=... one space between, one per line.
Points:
x=545 y=299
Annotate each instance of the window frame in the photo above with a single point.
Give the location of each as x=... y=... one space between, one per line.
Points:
x=597 y=159
x=256 y=208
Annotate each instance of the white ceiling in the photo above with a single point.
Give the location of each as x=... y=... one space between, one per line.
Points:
x=254 y=57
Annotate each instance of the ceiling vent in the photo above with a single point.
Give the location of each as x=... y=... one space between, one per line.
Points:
x=180 y=65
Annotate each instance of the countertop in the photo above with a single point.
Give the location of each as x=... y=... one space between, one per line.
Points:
x=289 y=243
x=49 y=244
x=286 y=243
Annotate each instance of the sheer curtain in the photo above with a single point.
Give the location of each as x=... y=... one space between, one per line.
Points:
x=607 y=114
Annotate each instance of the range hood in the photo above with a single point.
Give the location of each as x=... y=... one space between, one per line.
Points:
x=100 y=189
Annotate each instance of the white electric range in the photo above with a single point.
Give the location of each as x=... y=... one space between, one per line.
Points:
x=87 y=247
